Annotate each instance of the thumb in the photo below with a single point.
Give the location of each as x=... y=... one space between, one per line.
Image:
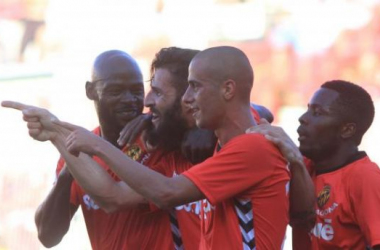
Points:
x=66 y=125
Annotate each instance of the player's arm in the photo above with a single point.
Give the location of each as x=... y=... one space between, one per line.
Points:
x=163 y=191
x=198 y=144
x=107 y=193
x=110 y=195
x=53 y=216
x=301 y=186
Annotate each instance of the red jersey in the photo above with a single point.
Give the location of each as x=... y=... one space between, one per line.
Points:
x=137 y=228
x=246 y=185
x=348 y=201
x=185 y=219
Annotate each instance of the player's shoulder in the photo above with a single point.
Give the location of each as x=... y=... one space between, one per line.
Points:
x=252 y=140
x=252 y=144
x=362 y=172
x=364 y=166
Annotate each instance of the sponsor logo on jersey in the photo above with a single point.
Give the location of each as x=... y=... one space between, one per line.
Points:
x=195 y=206
x=324 y=230
x=192 y=207
x=328 y=210
x=324 y=196
x=90 y=203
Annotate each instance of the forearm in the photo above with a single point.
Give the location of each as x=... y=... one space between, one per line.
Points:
x=109 y=194
x=302 y=197
x=53 y=216
x=159 y=189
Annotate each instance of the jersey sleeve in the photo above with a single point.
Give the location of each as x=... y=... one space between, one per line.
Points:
x=365 y=199
x=74 y=196
x=241 y=164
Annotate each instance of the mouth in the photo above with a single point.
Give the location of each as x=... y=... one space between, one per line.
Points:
x=301 y=134
x=155 y=116
x=126 y=112
x=194 y=111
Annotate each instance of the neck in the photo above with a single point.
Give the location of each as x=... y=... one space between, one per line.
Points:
x=110 y=134
x=338 y=158
x=234 y=124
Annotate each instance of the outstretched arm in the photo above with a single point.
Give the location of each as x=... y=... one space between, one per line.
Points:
x=302 y=196
x=106 y=192
x=53 y=216
x=163 y=191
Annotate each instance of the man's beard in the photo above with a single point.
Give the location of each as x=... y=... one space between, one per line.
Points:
x=169 y=133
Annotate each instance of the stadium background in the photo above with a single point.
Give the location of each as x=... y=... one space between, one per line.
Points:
x=294 y=46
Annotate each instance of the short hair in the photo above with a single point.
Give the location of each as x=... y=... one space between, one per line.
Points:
x=354 y=104
x=177 y=61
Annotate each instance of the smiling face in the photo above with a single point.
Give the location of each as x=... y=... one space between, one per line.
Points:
x=164 y=103
x=118 y=92
x=319 y=130
x=204 y=96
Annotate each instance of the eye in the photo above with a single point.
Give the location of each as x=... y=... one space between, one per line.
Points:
x=113 y=92
x=194 y=86
x=137 y=92
x=157 y=93
x=316 y=112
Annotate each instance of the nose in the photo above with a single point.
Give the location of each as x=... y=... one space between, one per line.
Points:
x=188 y=97
x=303 y=119
x=149 y=101
x=127 y=96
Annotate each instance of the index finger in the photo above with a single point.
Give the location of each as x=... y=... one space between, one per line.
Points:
x=15 y=105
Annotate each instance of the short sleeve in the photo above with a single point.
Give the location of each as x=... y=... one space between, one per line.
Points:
x=365 y=199
x=241 y=164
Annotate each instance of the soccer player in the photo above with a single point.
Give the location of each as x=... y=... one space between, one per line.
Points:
x=45 y=121
x=245 y=182
x=117 y=91
x=346 y=180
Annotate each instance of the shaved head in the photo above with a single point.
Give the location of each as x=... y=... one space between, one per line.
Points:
x=228 y=63
x=113 y=61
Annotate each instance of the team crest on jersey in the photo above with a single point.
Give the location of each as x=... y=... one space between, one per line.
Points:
x=134 y=152
x=323 y=196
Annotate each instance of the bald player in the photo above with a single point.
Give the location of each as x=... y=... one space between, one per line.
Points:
x=245 y=183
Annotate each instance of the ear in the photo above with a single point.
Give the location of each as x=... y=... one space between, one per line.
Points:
x=348 y=130
x=229 y=89
x=90 y=90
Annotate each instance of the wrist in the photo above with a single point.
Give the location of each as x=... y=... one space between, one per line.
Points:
x=65 y=176
x=297 y=163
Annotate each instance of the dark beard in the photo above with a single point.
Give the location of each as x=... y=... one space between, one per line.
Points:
x=170 y=132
